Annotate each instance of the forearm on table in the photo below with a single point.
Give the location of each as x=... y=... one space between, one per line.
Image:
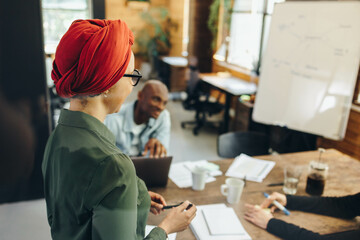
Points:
x=289 y=231
x=341 y=207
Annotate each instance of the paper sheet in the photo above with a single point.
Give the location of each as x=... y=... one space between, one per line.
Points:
x=180 y=173
x=148 y=229
x=222 y=221
x=252 y=168
x=211 y=167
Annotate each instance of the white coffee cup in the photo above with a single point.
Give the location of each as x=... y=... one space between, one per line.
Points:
x=199 y=176
x=232 y=188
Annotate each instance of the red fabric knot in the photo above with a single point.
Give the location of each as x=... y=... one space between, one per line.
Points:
x=91 y=57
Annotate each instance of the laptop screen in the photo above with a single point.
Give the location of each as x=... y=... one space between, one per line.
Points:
x=153 y=171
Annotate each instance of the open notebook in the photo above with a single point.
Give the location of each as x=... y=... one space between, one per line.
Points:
x=252 y=169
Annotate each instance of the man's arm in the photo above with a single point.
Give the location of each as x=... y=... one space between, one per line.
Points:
x=158 y=143
x=111 y=123
x=162 y=133
x=114 y=123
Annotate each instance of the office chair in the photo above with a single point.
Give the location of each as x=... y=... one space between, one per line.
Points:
x=197 y=100
x=232 y=144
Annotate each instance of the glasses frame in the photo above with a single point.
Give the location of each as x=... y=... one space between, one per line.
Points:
x=135 y=78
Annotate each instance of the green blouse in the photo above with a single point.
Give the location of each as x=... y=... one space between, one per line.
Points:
x=91 y=188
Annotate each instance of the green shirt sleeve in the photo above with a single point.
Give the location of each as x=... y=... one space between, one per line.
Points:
x=115 y=217
x=118 y=223
x=112 y=196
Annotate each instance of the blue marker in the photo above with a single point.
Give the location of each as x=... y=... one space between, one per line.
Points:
x=277 y=204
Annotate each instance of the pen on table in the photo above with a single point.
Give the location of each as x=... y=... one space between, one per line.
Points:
x=176 y=205
x=275 y=184
x=277 y=204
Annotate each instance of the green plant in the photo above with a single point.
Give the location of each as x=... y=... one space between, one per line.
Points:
x=154 y=38
x=213 y=20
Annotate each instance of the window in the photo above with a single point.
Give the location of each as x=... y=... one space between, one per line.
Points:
x=57 y=17
x=250 y=23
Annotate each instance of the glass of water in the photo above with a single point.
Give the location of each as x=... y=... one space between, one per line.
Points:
x=291 y=179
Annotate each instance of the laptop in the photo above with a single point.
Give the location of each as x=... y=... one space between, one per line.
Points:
x=153 y=171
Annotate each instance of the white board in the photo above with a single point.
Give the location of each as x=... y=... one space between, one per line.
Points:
x=310 y=66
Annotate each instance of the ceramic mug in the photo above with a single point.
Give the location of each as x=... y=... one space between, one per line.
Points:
x=232 y=189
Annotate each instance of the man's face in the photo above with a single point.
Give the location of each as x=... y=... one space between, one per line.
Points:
x=152 y=100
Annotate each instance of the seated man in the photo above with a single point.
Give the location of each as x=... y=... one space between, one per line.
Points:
x=143 y=127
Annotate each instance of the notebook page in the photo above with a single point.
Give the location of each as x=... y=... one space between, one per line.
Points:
x=252 y=168
x=223 y=221
x=201 y=231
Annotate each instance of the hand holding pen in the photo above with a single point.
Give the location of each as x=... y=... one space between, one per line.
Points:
x=277 y=199
x=178 y=218
x=257 y=214
x=176 y=205
x=157 y=203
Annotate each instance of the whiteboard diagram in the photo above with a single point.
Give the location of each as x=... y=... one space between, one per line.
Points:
x=310 y=67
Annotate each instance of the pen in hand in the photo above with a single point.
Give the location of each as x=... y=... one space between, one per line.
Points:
x=176 y=205
x=278 y=205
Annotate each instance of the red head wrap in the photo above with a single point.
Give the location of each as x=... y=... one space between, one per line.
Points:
x=91 y=57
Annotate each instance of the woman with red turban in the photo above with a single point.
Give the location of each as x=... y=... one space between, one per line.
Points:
x=91 y=188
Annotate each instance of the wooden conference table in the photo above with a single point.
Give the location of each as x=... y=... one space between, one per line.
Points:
x=343 y=179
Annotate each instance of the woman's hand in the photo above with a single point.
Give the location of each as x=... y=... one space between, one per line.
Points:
x=257 y=215
x=178 y=219
x=157 y=203
x=281 y=198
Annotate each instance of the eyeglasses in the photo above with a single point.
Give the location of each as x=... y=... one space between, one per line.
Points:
x=135 y=77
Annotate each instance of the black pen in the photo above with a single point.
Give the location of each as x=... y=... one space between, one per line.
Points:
x=176 y=205
x=275 y=184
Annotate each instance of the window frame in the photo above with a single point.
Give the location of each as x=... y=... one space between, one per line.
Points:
x=265 y=12
x=89 y=9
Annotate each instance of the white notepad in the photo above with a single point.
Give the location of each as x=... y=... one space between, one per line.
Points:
x=223 y=221
x=252 y=169
x=201 y=231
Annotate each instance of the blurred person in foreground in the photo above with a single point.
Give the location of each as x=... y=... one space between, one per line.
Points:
x=91 y=188
x=346 y=207
x=142 y=127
